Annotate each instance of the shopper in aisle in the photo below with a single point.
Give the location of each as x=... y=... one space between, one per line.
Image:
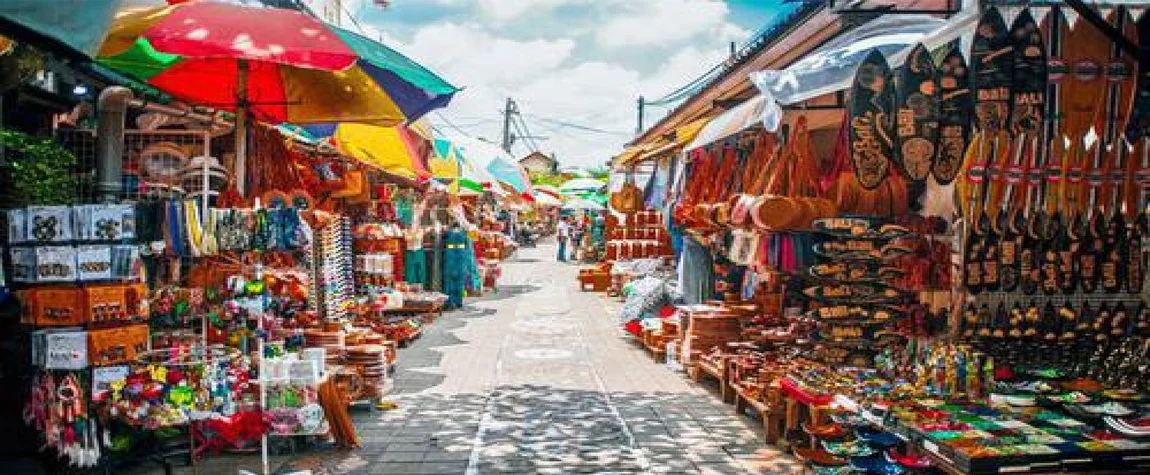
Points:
x=562 y=235
x=578 y=230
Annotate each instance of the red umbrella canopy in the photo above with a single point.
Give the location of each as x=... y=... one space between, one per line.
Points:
x=218 y=30
x=292 y=67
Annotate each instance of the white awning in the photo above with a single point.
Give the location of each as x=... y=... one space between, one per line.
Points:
x=831 y=68
x=758 y=109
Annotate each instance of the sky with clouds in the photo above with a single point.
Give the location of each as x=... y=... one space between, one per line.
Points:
x=578 y=61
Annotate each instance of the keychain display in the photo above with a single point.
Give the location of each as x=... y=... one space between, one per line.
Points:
x=49 y=224
x=56 y=264
x=164 y=390
x=58 y=408
x=94 y=262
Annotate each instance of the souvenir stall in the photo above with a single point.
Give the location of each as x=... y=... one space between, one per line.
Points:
x=208 y=304
x=945 y=269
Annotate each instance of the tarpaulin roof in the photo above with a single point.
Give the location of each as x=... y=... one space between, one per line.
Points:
x=77 y=27
x=733 y=121
x=684 y=134
x=832 y=67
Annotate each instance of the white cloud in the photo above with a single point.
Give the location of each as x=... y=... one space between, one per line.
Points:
x=579 y=74
x=654 y=22
x=511 y=9
x=469 y=55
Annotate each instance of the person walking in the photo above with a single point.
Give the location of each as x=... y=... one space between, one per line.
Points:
x=563 y=233
x=577 y=232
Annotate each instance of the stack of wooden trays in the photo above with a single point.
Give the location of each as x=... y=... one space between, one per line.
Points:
x=371 y=363
x=332 y=342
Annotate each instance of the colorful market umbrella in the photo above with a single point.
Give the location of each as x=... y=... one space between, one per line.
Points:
x=446 y=162
x=279 y=65
x=475 y=177
x=546 y=199
x=549 y=190
x=496 y=162
x=581 y=204
x=394 y=149
x=581 y=185
x=282 y=65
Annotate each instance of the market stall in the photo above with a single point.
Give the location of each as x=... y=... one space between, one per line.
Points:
x=922 y=247
x=211 y=292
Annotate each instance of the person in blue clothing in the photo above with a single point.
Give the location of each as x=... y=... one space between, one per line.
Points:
x=563 y=233
x=458 y=263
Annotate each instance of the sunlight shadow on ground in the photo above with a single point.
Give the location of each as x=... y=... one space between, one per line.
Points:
x=538 y=429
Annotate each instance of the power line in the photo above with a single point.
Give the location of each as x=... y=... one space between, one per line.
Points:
x=527 y=132
x=587 y=128
x=354 y=20
x=450 y=124
x=563 y=132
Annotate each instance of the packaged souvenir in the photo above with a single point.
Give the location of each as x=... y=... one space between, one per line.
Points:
x=115 y=302
x=126 y=263
x=47 y=224
x=23 y=264
x=53 y=306
x=104 y=378
x=94 y=262
x=105 y=222
x=17 y=226
x=56 y=264
x=65 y=349
x=304 y=372
x=117 y=345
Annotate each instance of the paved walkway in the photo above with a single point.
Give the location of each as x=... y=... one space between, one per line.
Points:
x=538 y=378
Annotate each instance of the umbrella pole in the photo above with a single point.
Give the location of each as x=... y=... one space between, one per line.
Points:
x=242 y=128
x=241 y=185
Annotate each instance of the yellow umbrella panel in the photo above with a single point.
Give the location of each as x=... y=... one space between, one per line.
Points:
x=393 y=149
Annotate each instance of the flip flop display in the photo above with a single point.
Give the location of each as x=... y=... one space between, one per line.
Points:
x=877 y=464
x=848 y=449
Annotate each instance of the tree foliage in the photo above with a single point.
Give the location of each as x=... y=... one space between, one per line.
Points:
x=538 y=178
x=39 y=170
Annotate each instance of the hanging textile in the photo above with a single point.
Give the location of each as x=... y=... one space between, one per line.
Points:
x=695 y=272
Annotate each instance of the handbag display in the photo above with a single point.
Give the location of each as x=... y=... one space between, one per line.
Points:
x=791 y=198
x=629 y=199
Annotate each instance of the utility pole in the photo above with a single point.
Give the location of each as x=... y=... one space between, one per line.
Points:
x=508 y=138
x=639 y=127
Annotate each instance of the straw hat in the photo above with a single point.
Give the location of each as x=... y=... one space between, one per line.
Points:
x=192 y=175
x=163 y=161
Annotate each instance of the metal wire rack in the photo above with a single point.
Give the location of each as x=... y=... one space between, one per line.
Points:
x=154 y=161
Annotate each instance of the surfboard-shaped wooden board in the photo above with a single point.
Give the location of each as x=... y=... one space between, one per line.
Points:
x=872 y=135
x=916 y=121
x=955 y=108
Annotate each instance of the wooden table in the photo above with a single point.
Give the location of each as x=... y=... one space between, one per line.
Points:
x=770 y=415
x=720 y=373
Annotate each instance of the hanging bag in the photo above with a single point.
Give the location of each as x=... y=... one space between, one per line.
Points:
x=629 y=198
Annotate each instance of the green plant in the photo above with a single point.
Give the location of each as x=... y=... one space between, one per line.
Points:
x=600 y=173
x=39 y=170
x=18 y=65
x=546 y=179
